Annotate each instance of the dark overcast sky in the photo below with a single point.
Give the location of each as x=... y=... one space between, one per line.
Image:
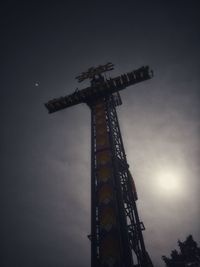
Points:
x=45 y=164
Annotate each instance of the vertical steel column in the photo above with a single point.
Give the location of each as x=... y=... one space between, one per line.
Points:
x=129 y=221
x=94 y=208
x=116 y=231
x=107 y=242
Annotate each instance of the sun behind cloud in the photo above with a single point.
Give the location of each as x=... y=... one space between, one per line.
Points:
x=169 y=181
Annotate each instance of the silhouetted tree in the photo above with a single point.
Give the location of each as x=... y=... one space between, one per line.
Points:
x=189 y=255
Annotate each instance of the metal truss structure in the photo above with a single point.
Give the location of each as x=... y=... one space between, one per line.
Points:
x=116 y=230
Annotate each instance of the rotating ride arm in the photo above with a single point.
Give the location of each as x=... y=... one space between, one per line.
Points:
x=104 y=88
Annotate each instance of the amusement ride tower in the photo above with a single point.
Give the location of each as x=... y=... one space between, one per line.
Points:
x=116 y=230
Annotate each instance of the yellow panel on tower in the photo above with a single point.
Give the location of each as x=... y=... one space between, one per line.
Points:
x=110 y=251
x=102 y=142
x=104 y=173
x=107 y=218
x=103 y=157
x=100 y=113
x=105 y=194
x=99 y=106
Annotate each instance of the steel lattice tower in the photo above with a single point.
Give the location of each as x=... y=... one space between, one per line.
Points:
x=116 y=231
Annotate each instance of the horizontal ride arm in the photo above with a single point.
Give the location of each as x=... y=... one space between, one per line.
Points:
x=103 y=89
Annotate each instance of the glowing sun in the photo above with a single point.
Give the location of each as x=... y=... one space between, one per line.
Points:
x=169 y=182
